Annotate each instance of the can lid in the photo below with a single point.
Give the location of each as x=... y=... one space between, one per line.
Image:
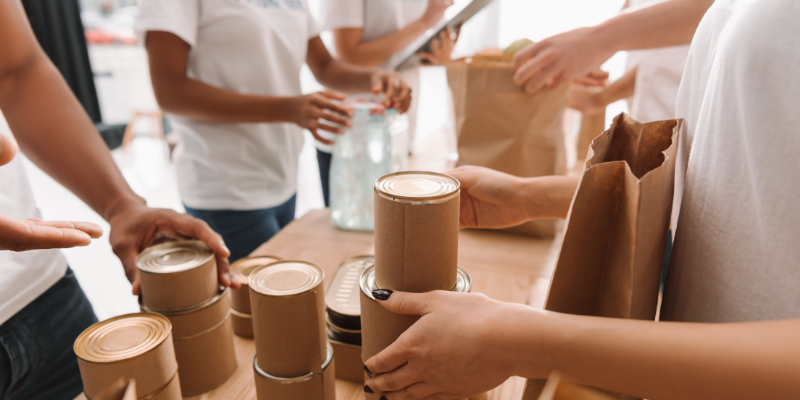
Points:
x=242 y=268
x=285 y=278
x=176 y=256
x=221 y=294
x=121 y=338
x=368 y=284
x=342 y=294
x=417 y=185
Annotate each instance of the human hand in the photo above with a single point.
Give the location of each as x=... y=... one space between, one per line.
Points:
x=560 y=58
x=586 y=99
x=435 y=12
x=8 y=149
x=308 y=110
x=597 y=77
x=489 y=198
x=35 y=234
x=136 y=227
x=398 y=94
x=441 y=49
x=456 y=350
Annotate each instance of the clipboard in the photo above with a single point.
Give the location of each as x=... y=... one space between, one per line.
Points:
x=423 y=43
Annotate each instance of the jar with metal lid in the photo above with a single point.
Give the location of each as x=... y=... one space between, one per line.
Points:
x=360 y=156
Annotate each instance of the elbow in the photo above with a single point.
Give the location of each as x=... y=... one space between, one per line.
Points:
x=168 y=96
x=356 y=57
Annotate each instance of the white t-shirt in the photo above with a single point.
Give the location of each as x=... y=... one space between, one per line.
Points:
x=23 y=276
x=377 y=18
x=736 y=255
x=252 y=47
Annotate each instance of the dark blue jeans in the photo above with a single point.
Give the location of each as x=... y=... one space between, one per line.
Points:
x=36 y=356
x=244 y=231
x=324 y=162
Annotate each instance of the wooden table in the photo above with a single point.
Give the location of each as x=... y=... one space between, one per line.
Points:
x=503 y=266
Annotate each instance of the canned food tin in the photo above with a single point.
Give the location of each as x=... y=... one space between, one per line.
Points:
x=134 y=346
x=416 y=231
x=312 y=386
x=241 y=270
x=343 y=335
x=288 y=304
x=242 y=324
x=349 y=366
x=342 y=298
x=177 y=275
x=203 y=340
x=380 y=327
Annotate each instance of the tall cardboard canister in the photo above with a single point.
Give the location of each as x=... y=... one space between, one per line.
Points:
x=177 y=275
x=133 y=346
x=203 y=341
x=240 y=298
x=288 y=303
x=311 y=386
x=416 y=231
x=379 y=327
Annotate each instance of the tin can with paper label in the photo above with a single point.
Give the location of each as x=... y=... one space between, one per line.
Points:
x=312 y=386
x=177 y=275
x=416 y=231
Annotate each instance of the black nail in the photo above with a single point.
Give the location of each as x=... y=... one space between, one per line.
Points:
x=369 y=373
x=368 y=389
x=383 y=398
x=382 y=294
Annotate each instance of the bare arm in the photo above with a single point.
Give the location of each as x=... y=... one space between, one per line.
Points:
x=342 y=76
x=55 y=133
x=568 y=55
x=660 y=360
x=350 y=46
x=592 y=100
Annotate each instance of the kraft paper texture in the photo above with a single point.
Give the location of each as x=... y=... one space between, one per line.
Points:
x=290 y=332
x=121 y=390
x=617 y=226
x=501 y=127
x=321 y=387
x=349 y=366
x=416 y=246
x=151 y=371
x=206 y=360
x=179 y=290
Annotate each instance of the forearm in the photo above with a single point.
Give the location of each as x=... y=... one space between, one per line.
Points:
x=190 y=98
x=620 y=89
x=336 y=74
x=548 y=196
x=668 y=23
x=35 y=100
x=375 y=52
x=659 y=360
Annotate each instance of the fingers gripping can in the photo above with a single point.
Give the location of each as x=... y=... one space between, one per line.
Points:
x=380 y=327
x=416 y=231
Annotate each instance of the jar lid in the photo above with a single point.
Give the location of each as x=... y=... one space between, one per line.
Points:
x=417 y=186
x=175 y=256
x=342 y=295
x=367 y=282
x=243 y=267
x=123 y=337
x=285 y=278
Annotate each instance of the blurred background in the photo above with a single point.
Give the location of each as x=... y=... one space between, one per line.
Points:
x=124 y=106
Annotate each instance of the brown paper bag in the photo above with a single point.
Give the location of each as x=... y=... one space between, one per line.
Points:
x=616 y=232
x=557 y=388
x=499 y=126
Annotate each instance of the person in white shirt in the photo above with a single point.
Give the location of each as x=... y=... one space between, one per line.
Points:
x=228 y=75
x=374 y=33
x=731 y=314
x=42 y=306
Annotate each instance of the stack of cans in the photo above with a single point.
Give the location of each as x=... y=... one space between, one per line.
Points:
x=416 y=250
x=293 y=358
x=134 y=347
x=343 y=306
x=179 y=281
x=241 y=312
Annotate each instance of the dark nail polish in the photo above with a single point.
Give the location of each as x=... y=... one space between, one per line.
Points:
x=383 y=398
x=369 y=373
x=382 y=294
x=368 y=389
